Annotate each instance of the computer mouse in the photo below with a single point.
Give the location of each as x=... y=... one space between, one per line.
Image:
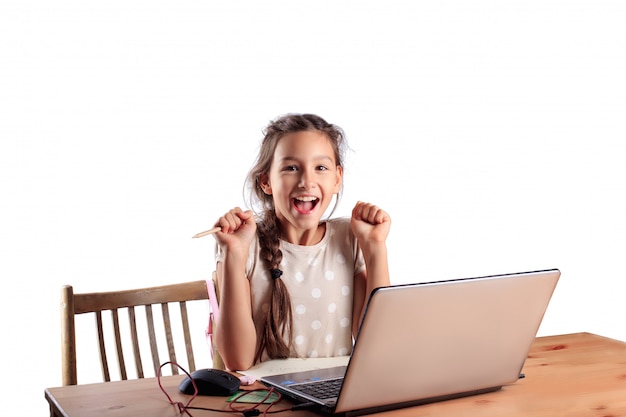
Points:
x=210 y=382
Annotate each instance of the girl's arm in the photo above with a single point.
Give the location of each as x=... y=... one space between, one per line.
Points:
x=371 y=227
x=235 y=334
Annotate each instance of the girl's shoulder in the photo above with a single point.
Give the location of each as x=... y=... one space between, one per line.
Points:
x=338 y=226
x=337 y=222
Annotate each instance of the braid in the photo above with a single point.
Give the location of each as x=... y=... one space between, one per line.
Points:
x=279 y=318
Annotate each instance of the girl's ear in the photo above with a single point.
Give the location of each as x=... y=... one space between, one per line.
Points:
x=264 y=182
x=339 y=178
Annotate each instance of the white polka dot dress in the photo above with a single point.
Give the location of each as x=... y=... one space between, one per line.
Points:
x=320 y=280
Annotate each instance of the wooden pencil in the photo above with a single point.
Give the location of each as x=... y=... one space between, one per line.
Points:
x=207 y=232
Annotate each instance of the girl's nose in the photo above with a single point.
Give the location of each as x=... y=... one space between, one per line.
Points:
x=305 y=181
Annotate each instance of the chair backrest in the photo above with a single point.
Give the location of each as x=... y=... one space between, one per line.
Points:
x=137 y=302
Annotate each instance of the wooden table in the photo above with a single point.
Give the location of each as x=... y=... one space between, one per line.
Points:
x=571 y=375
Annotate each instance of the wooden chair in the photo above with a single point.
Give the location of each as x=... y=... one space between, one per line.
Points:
x=137 y=302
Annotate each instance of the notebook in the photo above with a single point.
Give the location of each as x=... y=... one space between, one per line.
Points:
x=434 y=341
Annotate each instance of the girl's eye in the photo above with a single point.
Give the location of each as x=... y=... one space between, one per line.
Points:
x=322 y=168
x=290 y=168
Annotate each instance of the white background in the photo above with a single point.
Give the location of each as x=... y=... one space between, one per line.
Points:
x=493 y=132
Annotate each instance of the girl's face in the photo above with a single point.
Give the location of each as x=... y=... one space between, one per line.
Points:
x=302 y=180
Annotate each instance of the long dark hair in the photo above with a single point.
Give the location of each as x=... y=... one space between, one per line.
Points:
x=277 y=324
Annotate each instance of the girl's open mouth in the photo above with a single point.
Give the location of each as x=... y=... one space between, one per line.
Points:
x=305 y=204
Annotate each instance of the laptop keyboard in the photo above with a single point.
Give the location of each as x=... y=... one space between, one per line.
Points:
x=323 y=389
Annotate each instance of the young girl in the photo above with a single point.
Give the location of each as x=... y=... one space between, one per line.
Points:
x=292 y=285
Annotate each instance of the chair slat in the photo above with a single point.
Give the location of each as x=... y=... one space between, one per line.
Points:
x=167 y=325
x=104 y=364
x=156 y=363
x=118 y=344
x=187 y=335
x=135 y=341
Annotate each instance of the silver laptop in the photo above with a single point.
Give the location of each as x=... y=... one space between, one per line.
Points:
x=427 y=342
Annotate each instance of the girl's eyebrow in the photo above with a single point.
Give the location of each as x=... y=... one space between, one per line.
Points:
x=315 y=158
